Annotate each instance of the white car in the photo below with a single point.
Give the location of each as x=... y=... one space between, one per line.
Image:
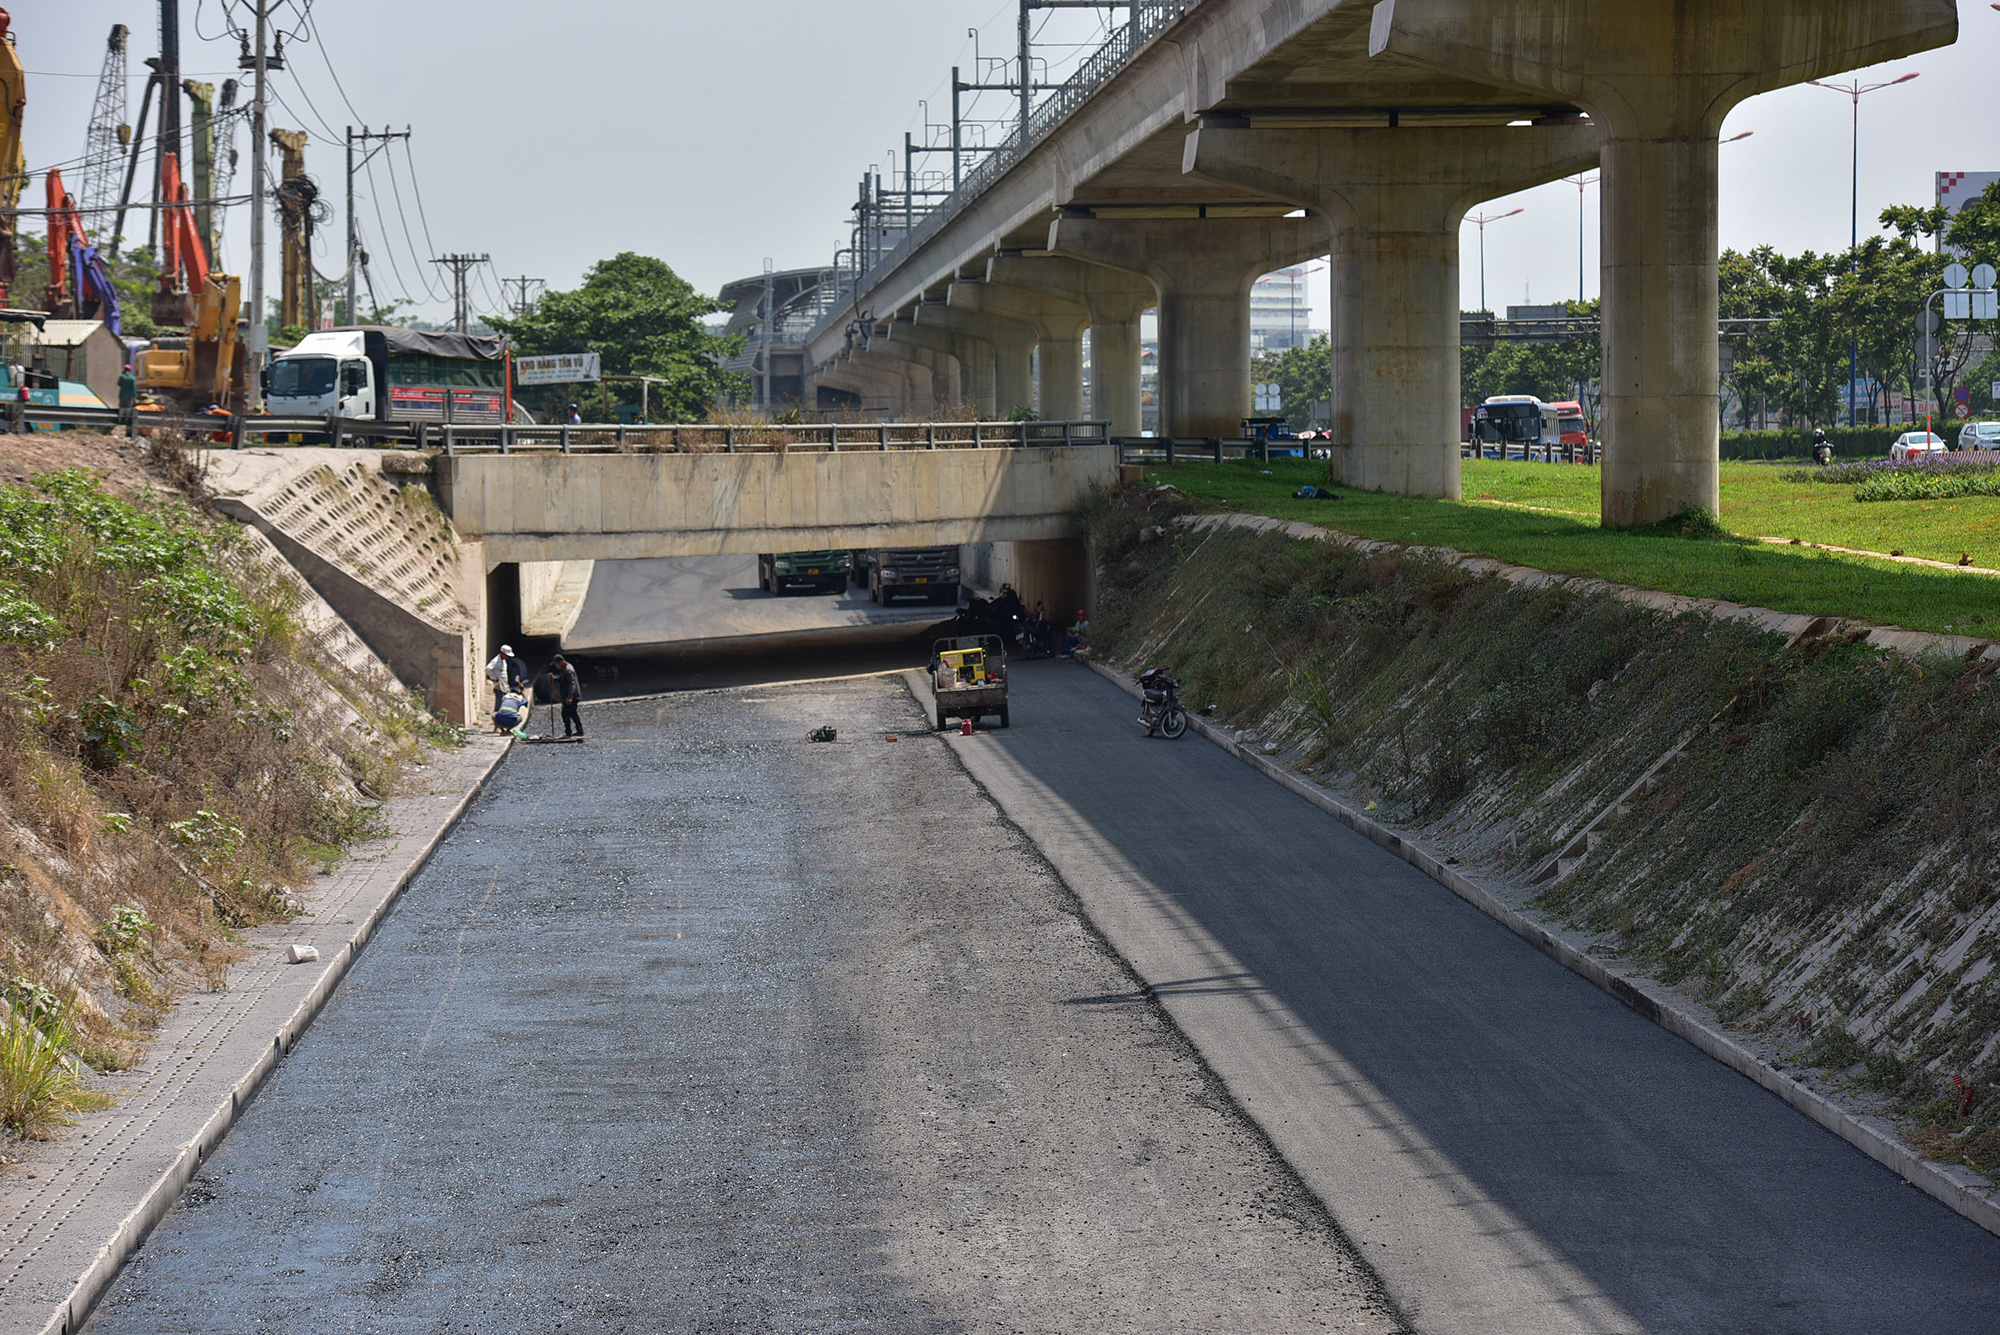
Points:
x=1979 y=436
x=1915 y=445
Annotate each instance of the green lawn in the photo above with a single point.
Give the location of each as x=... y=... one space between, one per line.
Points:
x=1754 y=502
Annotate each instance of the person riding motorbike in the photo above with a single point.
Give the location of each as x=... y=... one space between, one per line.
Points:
x=1822 y=448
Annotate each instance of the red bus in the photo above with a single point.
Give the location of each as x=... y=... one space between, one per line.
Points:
x=1569 y=422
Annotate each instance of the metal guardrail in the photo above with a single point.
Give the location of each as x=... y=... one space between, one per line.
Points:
x=1213 y=449
x=486 y=438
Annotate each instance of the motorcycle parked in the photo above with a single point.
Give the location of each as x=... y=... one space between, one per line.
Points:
x=1161 y=712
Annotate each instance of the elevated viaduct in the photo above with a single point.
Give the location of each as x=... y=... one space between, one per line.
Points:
x=1212 y=141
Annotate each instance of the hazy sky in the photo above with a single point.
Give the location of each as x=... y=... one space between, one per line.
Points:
x=714 y=134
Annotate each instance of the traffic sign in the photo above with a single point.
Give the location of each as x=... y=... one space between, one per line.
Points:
x=1955 y=275
x=1928 y=321
x=1983 y=275
x=1961 y=410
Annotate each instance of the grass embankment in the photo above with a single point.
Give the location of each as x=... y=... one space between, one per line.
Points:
x=172 y=763
x=1563 y=535
x=1821 y=867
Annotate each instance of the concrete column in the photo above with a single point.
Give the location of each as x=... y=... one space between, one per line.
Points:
x=1115 y=300
x=1394 y=199
x=1203 y=268
x=974 y=357
x=1013 y=345
x=1658 y=77
x=1059 y=323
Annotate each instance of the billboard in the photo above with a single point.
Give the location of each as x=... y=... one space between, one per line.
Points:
x=1956 y=189
x=561 y=368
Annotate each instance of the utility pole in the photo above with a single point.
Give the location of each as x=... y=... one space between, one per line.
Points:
x=260 y=64
x=523 y=303
x=365 y=137
x=769 y=312
x=461 y=304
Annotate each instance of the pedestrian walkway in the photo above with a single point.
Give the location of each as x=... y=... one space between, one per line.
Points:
x=71 y=1214
x=1509 y=1147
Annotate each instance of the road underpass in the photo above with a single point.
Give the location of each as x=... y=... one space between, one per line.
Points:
x=703 y=1026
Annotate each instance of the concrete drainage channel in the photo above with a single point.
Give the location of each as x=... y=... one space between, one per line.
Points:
x=1960 y=1188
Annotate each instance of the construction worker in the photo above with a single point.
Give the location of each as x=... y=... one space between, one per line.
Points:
x=569 y=690
x=128 y=395
x=506 y=673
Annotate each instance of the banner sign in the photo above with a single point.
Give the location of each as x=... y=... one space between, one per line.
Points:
x=560 y=369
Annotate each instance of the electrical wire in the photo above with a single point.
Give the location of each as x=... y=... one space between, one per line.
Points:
x=375 y=199
x=327 y=60
x=395 y=187
x=418 y=191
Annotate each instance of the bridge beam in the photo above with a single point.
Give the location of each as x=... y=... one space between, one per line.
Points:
x=1203 y=268
x=1395 y=199
x=1115 y=300
x=974 y=357
x=883 y=390
x=1059 y=322
x=1658 y=76
x=932 y=375
x=1013 y=345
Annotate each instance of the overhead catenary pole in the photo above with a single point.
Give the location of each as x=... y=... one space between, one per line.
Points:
x=523 y=303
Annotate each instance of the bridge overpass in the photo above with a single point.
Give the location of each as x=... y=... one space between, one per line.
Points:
x=1211 y=141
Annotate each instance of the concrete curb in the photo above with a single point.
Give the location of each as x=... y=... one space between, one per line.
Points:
x=159 y=1197
x=1958 y=1188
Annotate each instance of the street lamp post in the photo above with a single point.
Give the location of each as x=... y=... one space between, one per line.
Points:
x=1580 y=181
x=1480 y=221
x=1854 y=93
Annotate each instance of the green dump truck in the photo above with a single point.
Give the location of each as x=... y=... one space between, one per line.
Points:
x=824 y=571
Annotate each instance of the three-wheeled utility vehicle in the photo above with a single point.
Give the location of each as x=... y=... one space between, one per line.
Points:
x=969 y=678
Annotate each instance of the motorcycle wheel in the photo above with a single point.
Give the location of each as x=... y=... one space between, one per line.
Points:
x=1175 y=724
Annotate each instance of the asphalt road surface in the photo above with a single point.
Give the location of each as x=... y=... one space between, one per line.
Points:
x=1511 y=1149
x=688 y=599
x=703 y=1027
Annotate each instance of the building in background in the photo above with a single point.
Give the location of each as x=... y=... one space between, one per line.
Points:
x=1279 y=315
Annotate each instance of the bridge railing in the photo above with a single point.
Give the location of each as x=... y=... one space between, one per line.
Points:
x=240 y=429
x=1147 y=19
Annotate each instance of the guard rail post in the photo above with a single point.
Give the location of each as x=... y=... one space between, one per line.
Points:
x=1215 y=444
x=1021 y=441
x=729 y=440
x=235 y=431
x=335 y=430
x=562 y=439
x=882 y=436
x=621 y=436
x=448 y=439
x=422 y=434
x=1170 y=451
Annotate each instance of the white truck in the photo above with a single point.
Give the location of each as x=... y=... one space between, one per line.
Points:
x=381 y=374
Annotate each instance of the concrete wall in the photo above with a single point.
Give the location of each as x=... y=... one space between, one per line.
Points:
x=437 y=663
x=553 y=507
x=552 y=595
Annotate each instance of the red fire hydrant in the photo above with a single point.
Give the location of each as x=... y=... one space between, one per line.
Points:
x=965 y=727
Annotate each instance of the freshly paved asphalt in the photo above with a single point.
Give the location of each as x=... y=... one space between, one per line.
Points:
x=1510 y=1148
x=700 y=1026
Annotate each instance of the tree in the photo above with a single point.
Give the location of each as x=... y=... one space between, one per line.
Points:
x=642 y=319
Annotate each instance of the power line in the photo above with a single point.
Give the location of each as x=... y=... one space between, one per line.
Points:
x=418 y=191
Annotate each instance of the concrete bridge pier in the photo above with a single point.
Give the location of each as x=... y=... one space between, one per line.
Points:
x=1658 y=78
x=1394 y=199
x=973 y=356
x=1059 y=322
x=1203 y=268
x=1013 y=345
x=1115 y=300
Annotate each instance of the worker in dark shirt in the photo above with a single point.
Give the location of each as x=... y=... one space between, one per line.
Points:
x=569 y=690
